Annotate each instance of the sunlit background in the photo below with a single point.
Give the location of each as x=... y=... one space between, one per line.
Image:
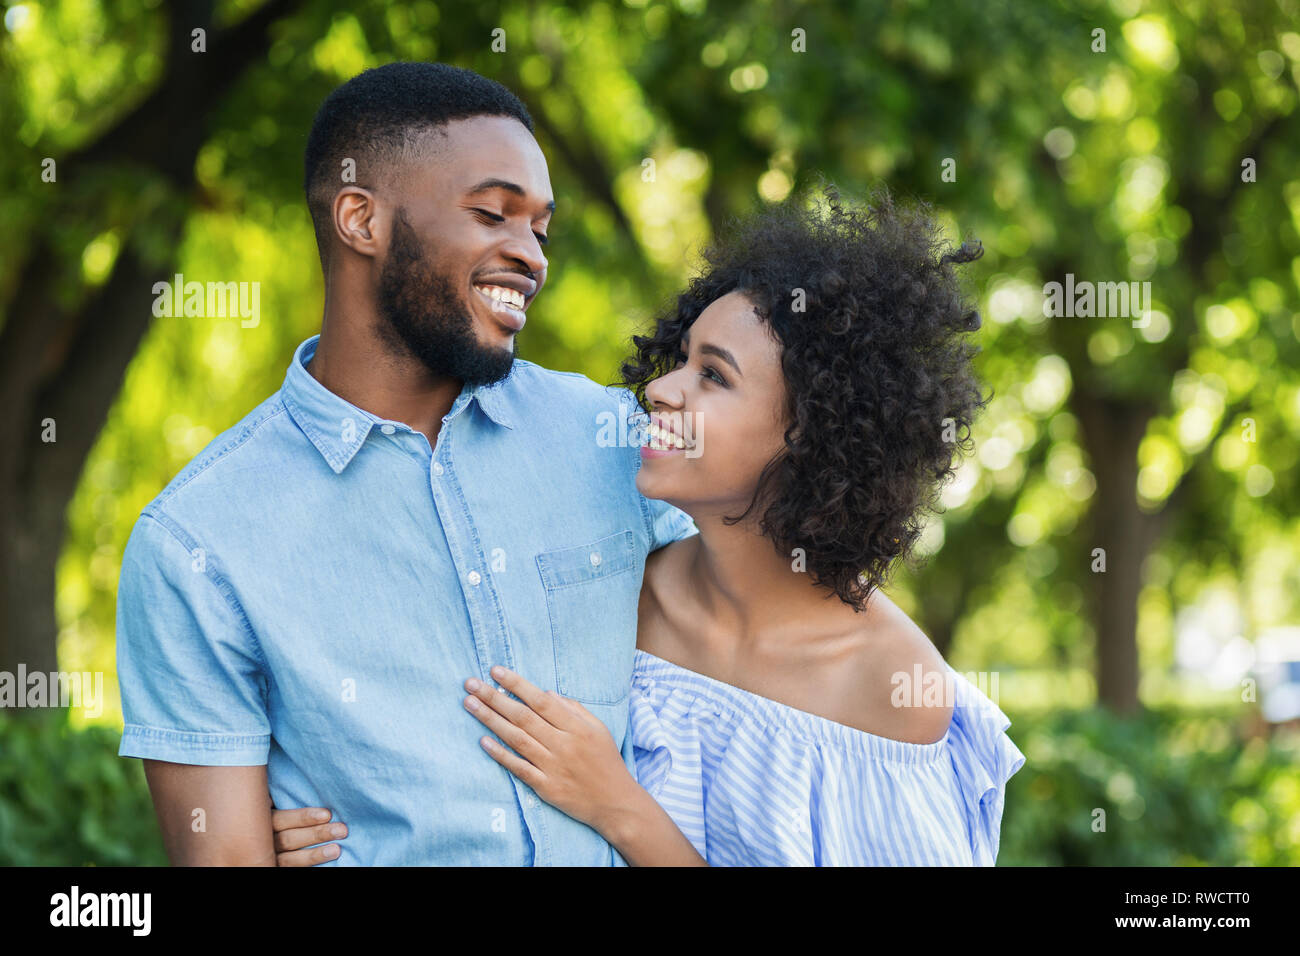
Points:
x=1167 y=156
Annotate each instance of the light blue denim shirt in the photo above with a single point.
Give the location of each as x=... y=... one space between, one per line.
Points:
x=312 y=590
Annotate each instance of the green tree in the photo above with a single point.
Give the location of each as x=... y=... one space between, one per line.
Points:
x=659 y=120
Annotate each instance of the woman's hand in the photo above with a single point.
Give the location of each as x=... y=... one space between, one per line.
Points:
x=564 y=753
x=304 y=827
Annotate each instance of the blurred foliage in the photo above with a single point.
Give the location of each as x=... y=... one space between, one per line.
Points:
x=731 y=117
x=1178 y=787
x=1065 y=157
x=68 y=799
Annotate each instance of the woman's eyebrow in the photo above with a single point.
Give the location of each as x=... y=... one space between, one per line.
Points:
x=722 y=354
x=717 y=350
x=492 y=183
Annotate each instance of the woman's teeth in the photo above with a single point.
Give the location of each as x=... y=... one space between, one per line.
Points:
x=661 y=439
x=508 y=297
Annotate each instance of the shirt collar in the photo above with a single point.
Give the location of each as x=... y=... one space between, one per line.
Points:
x=338 y=428
x=494 y=402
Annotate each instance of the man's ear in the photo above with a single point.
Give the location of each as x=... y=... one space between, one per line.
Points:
x=359 y=221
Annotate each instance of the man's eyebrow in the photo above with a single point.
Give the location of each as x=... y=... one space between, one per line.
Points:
x=492 y=183
x=717 y=350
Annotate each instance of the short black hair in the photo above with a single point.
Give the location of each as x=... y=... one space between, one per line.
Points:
x=377 y=116
x=881 y=391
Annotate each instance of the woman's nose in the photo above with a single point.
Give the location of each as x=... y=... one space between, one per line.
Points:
x=664 y=390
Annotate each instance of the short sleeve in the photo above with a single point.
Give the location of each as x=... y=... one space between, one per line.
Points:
x=668 y=524
x=191 y=675
x=985 y=758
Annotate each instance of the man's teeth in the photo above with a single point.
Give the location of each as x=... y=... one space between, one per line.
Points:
x=662 y=438
x=510 y=297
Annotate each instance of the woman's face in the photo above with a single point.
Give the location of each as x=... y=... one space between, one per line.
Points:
x=725 y=404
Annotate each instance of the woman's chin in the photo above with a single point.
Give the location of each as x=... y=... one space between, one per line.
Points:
x=644 y=485
x=652 y=488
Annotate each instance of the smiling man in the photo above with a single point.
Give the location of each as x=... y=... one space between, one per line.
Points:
x=299 y=607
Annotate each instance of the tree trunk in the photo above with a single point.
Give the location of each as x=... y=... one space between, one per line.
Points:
x=1112 y=431
x=39 y=482
x=66 y=364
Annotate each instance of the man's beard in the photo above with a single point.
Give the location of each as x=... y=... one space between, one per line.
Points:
x=423 y=315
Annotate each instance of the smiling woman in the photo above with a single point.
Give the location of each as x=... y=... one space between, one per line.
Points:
x=803 y=393
x=861 y=357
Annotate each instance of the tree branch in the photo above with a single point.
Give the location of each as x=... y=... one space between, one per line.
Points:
x=62 y=363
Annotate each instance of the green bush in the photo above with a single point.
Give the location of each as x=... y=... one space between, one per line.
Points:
x=1179 y=788
x=68 y=799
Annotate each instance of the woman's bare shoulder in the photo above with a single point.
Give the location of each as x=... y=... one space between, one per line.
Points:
x=896 y=664
x=660 y=609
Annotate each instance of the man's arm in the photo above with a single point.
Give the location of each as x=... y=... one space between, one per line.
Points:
x=212 y=816
x=193 y=699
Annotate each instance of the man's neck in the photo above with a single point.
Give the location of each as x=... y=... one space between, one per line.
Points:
x=359 y=368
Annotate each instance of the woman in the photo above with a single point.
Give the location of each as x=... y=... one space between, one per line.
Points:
x=806 y=394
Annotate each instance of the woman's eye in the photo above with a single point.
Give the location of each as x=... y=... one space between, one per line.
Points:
x=709 y=372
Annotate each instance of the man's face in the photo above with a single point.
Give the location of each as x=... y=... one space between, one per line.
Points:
x=465 y=257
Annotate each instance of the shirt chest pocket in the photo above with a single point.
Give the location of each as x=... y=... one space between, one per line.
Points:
x=592 y=592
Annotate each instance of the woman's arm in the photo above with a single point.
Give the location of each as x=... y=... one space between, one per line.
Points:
x=568 y=757
x=645 y=835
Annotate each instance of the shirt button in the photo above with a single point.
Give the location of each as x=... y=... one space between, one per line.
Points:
x=387 y=429
x=532 y=801
x=437 y=468
x=595 y=558
x=474 y=578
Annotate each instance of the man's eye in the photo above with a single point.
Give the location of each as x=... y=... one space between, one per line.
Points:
x=709 y=370
x=494 y=218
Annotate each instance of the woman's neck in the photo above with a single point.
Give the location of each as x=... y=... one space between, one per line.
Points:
x=748 y=589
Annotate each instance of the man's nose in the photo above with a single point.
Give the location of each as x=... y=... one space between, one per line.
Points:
x=528 y=253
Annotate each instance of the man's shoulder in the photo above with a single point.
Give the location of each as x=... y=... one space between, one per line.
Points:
x=527 y=379
x=226 y=456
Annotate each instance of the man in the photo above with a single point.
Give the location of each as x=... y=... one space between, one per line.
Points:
x=300 y=607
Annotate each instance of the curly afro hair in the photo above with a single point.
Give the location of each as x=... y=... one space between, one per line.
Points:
x=881 y=391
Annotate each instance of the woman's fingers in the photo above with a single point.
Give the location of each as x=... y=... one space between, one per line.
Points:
x=519 y=767
x=298 y=817
x=536 y=710
x=576 y=706
x=491 y=708
x=499 y=701
x=317 y=854
x=522 y=688
x=553 y=708
x=296 y=839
